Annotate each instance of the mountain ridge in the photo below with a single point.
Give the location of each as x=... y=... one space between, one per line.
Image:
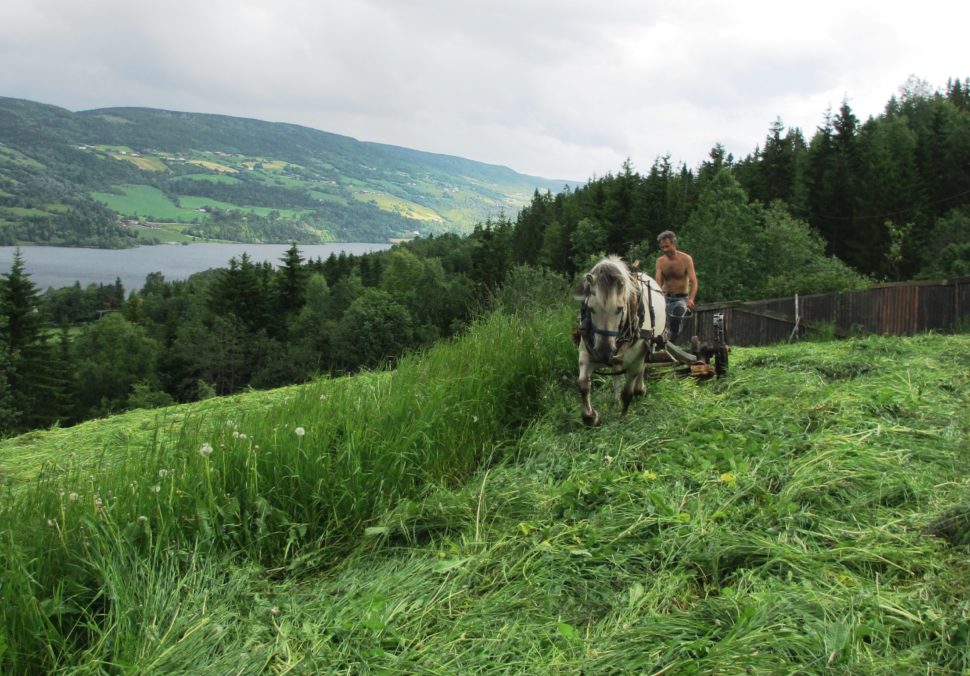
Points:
x=225 y=178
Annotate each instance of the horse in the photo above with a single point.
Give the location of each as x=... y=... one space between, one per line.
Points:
x=622 y=320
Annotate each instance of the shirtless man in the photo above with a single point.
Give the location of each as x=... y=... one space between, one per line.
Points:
x=676 y=276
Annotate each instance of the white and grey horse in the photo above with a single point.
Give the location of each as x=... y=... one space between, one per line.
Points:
x=622 y=320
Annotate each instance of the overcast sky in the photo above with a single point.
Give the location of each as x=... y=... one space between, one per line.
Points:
x=564 y=90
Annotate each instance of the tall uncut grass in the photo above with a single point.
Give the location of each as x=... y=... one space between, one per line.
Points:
x=87 y=551
x=805 y=514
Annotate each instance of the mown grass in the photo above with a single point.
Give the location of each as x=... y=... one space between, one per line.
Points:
x=775 y=521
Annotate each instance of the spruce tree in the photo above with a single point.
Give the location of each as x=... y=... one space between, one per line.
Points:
x=291 y=284
x=34 y=377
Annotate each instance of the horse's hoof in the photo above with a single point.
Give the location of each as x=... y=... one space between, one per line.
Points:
x=592 y=420
x=640 y=391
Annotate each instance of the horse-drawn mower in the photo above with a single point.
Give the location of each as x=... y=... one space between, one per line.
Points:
x=704 y=360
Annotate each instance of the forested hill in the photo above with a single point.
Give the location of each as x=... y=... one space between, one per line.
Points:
x=70 y=178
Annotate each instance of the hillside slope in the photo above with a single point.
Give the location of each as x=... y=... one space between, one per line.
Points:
x=66 y=177
x=774 y=521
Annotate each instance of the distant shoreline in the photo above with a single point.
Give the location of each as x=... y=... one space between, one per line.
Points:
x=59 y=267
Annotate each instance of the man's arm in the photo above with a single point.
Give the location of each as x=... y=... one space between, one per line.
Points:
x=659 y=275
x=692 y=278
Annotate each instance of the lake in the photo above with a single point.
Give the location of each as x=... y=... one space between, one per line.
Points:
x=54 y=266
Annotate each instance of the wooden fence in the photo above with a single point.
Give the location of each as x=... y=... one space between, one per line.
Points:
x=898 y=309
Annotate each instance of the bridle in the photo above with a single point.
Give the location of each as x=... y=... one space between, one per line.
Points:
x=626 y=332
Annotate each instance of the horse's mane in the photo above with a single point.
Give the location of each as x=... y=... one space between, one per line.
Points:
x=612 y=276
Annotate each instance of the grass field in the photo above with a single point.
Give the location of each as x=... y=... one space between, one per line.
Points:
x=214 y=166
x=327 y=197
x=398 y=205
x=15 y=157
x=454 y=516
x=143 y=200
x=143 y=162
x=168 y=232
x=21 y=212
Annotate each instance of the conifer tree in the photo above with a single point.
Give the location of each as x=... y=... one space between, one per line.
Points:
x=34 y=377
x=291 y=284
x=8 y=414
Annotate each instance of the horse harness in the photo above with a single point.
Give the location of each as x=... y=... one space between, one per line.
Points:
x=629 y=330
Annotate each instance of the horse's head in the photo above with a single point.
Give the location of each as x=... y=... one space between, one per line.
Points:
x=605 y=294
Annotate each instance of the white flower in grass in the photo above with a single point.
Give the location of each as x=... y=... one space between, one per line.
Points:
x=51 y=523
x=235 y=434
x=162 y=473
x=299 y=431
x=72 y=496
x=156 y=489
x=142 y=519
x=206 y=450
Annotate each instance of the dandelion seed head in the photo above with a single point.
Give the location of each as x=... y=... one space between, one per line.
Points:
x=156 y=489
x=206 y=450
x=299 y=431
x=51 y=523
x=162 y=473
x=72 y=496
x=142 y=519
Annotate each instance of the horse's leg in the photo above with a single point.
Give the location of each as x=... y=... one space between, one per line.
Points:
x=639 y=387
x=634 y=382
x=590 y=416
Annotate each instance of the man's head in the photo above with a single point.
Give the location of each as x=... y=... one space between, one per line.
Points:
x=668 y=242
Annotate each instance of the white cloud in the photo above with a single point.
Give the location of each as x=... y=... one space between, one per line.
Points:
x=563 y=89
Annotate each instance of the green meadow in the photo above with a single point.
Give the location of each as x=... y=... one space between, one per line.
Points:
x=805 y=514
x=147 y=201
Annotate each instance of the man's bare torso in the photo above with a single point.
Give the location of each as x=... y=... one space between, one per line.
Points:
x=674 y=272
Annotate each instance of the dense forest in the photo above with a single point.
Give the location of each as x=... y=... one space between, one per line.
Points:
x=884 y=199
